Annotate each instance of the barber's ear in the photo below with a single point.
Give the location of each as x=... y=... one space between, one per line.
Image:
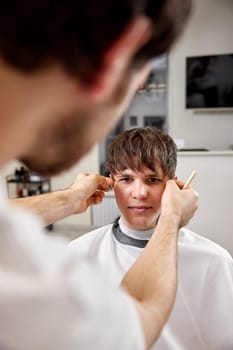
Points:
x=118 y=57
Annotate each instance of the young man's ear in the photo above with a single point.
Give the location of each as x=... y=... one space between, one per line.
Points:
x=118 y=57
x=112 y=177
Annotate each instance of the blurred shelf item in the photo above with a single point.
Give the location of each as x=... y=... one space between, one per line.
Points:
x=24 y=183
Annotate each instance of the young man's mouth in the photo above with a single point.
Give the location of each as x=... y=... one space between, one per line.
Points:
x=140 y=208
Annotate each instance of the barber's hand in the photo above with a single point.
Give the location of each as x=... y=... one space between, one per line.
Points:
x=88 y=189
x=179 y=203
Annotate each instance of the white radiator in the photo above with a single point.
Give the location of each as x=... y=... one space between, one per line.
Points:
x=106 y=212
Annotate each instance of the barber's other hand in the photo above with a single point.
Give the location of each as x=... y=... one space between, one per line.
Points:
x=89 y=189
x=179 y=203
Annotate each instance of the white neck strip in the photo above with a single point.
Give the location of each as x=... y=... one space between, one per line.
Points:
x=134 y=233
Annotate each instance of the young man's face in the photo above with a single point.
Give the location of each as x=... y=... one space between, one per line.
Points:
x=138 y=195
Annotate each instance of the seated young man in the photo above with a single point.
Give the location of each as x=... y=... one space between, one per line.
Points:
x=140 y=161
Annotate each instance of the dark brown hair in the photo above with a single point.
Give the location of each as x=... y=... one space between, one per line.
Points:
x=138 y=148
x=76 y=33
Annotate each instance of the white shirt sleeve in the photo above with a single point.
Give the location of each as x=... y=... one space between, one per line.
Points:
x=54 y=302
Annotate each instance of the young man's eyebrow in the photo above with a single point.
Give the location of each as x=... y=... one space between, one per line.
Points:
x=126 y=174
x=154 y=175
x=122 y=174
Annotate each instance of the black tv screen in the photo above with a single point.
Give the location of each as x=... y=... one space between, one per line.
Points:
x=209 y=81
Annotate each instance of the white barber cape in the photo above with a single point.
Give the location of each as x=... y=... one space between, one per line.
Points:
x=51 y=300
x=202 y=317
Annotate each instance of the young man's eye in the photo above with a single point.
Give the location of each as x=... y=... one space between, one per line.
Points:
x=126 y=179
x=153 y=180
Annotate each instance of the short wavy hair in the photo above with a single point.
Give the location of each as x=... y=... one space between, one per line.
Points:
x=138 y=148
x=76 y=33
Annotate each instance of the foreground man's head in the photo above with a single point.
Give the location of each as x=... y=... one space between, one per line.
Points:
x=69 y=70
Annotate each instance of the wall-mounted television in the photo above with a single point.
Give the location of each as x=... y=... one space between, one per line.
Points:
x=209 y=81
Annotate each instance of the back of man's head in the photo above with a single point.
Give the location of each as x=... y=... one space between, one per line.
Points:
x=141 y=148
x=77 y=33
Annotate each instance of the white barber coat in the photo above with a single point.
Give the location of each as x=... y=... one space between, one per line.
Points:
x=52 y=300
x=202 y=317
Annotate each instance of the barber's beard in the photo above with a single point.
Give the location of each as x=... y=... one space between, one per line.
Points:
x=62 y=145
x=59 y=147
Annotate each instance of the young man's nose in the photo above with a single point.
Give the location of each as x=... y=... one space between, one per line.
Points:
x=139 y=190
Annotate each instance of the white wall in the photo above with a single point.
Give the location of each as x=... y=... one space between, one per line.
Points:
x=213 y=182
x=210 y=31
